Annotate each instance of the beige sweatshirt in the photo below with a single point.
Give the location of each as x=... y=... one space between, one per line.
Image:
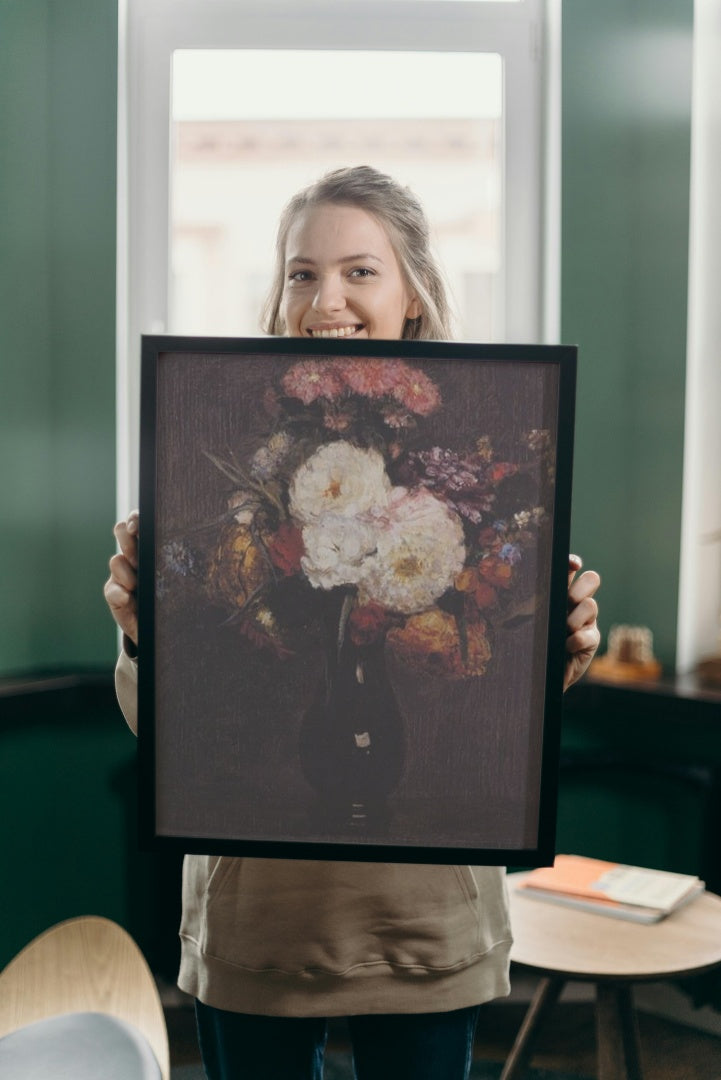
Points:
x=285 y=937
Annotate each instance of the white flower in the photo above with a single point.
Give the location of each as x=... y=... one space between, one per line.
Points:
x=245 y=506
x=340 y=479
x=419 y=552
x=336 y=550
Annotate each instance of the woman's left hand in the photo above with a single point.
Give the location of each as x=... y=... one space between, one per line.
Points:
x=583 y=636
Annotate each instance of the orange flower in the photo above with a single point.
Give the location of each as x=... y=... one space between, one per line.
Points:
x=500 y=470
x=431 y=642
x=496 y=572
x=482 y=594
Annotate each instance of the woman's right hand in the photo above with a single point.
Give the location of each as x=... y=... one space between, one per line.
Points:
x=121 y=587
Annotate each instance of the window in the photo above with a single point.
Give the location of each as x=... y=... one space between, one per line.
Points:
x=236 y=161
x=227 y=107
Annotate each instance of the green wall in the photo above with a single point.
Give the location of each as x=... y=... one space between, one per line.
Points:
x=58 y=72
x=626 y=145
x=67 y=761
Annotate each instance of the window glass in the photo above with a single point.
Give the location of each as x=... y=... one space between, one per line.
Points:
x=251 y=127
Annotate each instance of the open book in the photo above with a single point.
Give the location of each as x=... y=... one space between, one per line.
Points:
x=608 y=888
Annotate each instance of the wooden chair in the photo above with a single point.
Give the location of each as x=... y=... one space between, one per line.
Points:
x=87 y=967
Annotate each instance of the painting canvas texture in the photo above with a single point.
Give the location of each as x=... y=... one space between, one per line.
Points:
x=351 y=575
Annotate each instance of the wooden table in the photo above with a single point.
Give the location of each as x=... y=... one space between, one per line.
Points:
x=563 y=944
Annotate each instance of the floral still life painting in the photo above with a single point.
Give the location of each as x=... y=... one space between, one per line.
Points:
x=351 y=560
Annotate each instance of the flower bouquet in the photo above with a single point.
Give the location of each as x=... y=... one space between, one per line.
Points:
x=345 y=517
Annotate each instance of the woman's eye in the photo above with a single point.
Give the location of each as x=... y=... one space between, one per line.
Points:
x=300 y=276
x=362 y=272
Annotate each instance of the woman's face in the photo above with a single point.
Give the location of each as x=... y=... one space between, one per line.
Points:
x=342 y=277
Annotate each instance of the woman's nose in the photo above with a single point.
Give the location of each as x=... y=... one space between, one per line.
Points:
x=329 y=295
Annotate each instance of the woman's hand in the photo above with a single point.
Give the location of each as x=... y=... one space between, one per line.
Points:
x=121 y=587
x=583 y=636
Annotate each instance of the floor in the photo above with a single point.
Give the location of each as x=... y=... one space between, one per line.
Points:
x=670 y=1051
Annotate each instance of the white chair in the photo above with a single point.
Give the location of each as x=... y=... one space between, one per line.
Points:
x=80 y=1002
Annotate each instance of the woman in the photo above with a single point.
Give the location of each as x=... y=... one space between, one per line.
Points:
x=271 y=948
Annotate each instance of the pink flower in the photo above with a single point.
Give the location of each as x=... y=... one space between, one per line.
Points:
x=372 y=377
x=377 y=378
x=312 y=379
x=337 y=419
x=417 y=392
x=396 y=417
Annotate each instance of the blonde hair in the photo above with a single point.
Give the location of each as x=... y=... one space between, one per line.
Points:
x=403 y=217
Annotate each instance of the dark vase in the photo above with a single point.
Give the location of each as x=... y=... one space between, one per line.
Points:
x=352 y=745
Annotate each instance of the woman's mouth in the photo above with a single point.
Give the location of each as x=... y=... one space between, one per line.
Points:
x=334 y=331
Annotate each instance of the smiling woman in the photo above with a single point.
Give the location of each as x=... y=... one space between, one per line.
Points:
x=353 y=259
x=336 y=293
x=272 y=945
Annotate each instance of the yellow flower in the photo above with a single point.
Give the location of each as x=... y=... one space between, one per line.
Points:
x=238 y=567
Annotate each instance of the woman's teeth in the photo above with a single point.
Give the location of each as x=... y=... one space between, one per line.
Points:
x=336 y=332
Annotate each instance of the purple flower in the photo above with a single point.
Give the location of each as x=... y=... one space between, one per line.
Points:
x=510 y=553
x=176 y=559
x=460 y=480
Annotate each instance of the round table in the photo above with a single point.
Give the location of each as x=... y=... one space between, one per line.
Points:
x=562 y=944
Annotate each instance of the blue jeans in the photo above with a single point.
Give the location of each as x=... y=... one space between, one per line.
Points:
x=414 y=1046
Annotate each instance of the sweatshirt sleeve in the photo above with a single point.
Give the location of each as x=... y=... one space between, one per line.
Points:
x=126 y=688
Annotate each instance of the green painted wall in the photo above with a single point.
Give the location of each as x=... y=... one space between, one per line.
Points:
x=626 y=145
x=58 y=71
x=67 y=770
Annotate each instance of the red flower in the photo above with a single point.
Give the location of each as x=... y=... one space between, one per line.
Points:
x=367 y=623
x=500 y=470
x=285 y=548
x=485 y=595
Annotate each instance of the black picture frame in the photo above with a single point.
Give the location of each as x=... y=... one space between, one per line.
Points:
x=280 y=605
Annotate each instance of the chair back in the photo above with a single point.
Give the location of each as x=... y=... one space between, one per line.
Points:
x=86 y=964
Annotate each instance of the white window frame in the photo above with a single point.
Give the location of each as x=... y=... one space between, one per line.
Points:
x=699 y=597
x=526 y=34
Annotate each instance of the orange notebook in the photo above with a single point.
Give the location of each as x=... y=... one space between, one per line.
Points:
x=631 y=892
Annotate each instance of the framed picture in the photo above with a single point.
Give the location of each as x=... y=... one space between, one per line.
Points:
x=352 y=597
